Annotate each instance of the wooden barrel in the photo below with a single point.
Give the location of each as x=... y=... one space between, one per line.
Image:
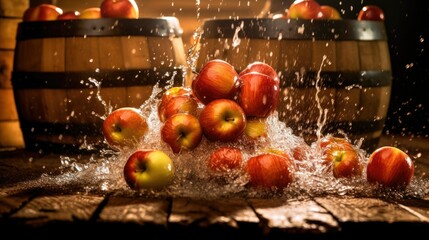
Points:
x=68 y=73
x=10 y=16
x=335 y=75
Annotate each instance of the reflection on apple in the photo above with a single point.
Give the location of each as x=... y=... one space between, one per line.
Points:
x=372 y=13
x=260 y=67
x=390 y=167
x=217 y=79
x=149 y=168
x=69 y=15
x=259 y=94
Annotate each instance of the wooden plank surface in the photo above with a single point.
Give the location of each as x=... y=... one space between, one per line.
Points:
x=24 y=205
x=191 y=218
x=350 y=209
x=294 y=216
x=11 y=203
x=136 y=210
x=64 y=208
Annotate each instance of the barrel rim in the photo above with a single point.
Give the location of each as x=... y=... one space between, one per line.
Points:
x=158 y=27
x=299 y=29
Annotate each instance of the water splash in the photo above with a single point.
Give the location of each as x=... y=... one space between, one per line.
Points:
x=321 y=119
x=103 y=171
x=236 y=39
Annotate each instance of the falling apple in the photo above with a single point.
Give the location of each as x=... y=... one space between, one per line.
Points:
x=301 y=152
x=224 y=159
x=222 y=120
x=269 y=171
x=260 y=67
x=181 y=131
x=173 y=92
x=390 y=167
x=329 y=140
x=344 y=161
x=259 y=94
x=149 y=168
x=178 y=104
x=124 y=127
x=217 y=79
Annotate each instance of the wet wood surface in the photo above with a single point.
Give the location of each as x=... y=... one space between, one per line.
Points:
x=38 y=212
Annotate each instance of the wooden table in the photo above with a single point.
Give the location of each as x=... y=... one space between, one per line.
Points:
x=36 y=211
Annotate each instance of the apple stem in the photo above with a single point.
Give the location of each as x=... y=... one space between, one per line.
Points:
x=117 y=128
x=229 y=119
x=181 y=135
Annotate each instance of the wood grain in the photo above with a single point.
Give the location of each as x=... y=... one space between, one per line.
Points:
x=349 y=209
x=139 y=211
x=63 y=208
x=294 y=215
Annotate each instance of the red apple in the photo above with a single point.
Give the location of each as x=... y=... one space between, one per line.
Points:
x=222 y=120
x=343 y=159
x=124 y=127
x=119 y=9
x=269 y=171
x=42 y=12
x=148 y=168
x=69 y=15
x=390 y=167
x=328 y=140
x=301 y=152
x=305 y=9
x=330 y=12
x=178 y=104
x=256 y=128
x=371 y=12
x=181 y=131
x=173 y=92
x=259 y=94
x=260 y=67
x=217 y=79
x=224 y=159
x=90 y=13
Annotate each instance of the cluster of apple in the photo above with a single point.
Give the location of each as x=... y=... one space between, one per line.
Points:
x=224 y=106
x=311 y=9
x=107 y=9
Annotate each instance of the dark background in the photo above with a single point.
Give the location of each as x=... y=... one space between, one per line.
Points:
x=406 y=23
x=407 y=27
